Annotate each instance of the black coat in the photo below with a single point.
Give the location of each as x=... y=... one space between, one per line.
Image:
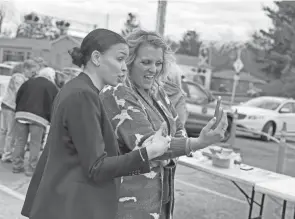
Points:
x=77 y=175
x=36 y=96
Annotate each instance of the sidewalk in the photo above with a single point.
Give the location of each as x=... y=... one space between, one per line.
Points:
x=13 y=188
x=10 y=207
x=17 y=182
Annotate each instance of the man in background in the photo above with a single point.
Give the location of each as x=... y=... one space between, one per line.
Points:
x=21 y=73
x=33 y=113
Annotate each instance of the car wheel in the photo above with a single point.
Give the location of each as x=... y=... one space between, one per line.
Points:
x=269 y=128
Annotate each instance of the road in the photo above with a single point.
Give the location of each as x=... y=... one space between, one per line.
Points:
x=198 y=195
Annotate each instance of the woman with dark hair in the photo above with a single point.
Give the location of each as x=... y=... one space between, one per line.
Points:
x=79 y=171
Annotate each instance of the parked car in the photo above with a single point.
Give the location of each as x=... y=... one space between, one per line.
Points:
x=267 y=114
x=11 y=63
x=201 y=107
x=6 y=69
x=5 y=75
x=4 y=81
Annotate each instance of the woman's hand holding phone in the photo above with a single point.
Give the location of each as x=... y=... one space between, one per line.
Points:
x=218 y=113
x=214 y=131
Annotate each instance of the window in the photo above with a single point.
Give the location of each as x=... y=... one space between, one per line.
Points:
x=263 y=103
x=195 y=92
x=29 y=55
x=13 y=56
x=289 y=107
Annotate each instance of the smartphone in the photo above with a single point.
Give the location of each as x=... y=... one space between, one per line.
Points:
x=217 y=113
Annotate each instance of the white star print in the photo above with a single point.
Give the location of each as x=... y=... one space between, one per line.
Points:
x=124 y=116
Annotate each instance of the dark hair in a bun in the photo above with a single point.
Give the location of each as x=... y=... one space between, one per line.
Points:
x=77 y=56
x=98 y=39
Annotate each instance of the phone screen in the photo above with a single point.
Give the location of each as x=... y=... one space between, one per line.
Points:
x=217 y=113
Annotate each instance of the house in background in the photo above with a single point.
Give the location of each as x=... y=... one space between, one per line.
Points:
x=226 y=78
x=54 y=52
x=223 y=70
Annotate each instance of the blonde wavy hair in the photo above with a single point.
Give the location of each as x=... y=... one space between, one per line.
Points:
x=141 y=37
x=19 y=68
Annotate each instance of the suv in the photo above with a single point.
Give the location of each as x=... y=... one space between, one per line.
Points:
x=201 y=105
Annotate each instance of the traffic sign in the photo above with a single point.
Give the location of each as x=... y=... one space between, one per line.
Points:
x=238 y=65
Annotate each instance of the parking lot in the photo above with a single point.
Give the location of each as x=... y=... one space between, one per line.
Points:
x=200 y=195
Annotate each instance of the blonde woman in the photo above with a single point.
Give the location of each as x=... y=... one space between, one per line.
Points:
x=137 y=112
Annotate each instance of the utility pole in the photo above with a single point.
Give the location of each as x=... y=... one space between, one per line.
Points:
x=161 y=15
x=107 y=20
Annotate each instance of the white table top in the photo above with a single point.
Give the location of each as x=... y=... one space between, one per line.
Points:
x=234 y=173
x=284 y=188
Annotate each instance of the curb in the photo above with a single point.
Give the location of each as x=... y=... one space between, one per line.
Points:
x=11 y=192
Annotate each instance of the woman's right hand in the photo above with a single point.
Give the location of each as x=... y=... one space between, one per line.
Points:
x=209 y=136
x=157 y=144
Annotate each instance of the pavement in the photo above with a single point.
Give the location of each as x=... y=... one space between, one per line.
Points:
x=10 y=206
x=198 y=195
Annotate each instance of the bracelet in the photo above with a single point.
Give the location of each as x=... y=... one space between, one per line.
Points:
x=141 y=155
x=190 y=146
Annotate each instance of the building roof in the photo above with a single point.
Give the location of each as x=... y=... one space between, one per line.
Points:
x=74 y=39
x=42 y=44
x=25 y=43
x=79 y=39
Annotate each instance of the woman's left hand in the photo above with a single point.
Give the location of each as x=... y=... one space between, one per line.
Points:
x=209 y=136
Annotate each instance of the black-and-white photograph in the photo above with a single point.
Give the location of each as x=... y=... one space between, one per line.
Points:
x=147 y=109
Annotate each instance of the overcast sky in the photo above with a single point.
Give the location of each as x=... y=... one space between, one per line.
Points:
x=214 y=20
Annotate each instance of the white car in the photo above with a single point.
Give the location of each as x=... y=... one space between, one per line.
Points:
x=11 y=63
x=267 y=114
x=5 y=75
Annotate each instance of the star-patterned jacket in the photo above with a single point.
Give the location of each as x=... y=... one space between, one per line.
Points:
x=135 y=117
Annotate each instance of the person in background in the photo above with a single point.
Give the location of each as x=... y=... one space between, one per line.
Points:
x=60 y=79
x=34 y=101
x=41 y=62
x=172 y=84
x=20 y=74
x=222 y=88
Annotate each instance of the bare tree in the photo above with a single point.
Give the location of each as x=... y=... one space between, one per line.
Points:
x=42 y=27
x=7 y=15
x=3 y=9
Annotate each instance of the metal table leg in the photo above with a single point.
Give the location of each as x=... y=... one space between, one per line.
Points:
x=261 y=205
x=251 y=203
x=284 y=209
x=294 y=214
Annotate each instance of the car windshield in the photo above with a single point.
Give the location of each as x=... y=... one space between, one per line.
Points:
x=195 y=92
x=263 y=103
